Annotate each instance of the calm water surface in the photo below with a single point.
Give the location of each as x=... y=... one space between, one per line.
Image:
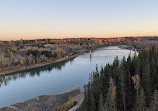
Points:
x=55 y=78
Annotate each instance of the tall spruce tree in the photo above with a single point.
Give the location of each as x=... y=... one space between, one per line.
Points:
x=154 y=101
x=110 y=104
x=101 y=103
x=146 y=83
x=140 y=101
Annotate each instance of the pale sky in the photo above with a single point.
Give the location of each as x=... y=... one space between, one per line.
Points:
x=31 y=19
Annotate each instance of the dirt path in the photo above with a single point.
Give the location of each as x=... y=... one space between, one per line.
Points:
x=79 y=98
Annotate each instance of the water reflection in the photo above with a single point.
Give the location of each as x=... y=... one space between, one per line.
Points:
x=4 y=79
x=90 y=58
x=55 y=78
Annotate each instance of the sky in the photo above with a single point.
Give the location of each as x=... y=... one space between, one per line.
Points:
x=32 y=19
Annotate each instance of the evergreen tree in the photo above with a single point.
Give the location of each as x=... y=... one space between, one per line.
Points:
x=142 y=70
x=92 y=104
x=140 y=101
x=110 y=104
x=154 y=101
x=101 y=103
x=146 y=83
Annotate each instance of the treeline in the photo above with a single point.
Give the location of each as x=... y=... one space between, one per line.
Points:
x=29 y=57
x=127 y=85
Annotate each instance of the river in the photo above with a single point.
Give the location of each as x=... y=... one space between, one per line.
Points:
x=55 y=78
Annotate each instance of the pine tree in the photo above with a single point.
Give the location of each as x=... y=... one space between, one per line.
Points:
x=140 y=101
x=121 y=86
x=110 y=104
x=129 y=89
x=92 y=103
x=154 y=101
x=85 y=102
x=101 y=103
x=96 y=87
x=146 y=83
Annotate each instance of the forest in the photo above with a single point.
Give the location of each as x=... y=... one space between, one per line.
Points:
x=130 y=84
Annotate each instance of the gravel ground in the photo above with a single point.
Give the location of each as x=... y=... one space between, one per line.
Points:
x=42 y=103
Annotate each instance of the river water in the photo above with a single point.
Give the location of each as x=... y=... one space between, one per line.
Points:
x=55 y=78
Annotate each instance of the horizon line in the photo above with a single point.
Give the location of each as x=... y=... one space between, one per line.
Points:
x=82 y=37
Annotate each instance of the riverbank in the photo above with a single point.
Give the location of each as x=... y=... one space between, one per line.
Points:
x=22 y=68
x=130 y=48
x=45 y=102
x=12 y=70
